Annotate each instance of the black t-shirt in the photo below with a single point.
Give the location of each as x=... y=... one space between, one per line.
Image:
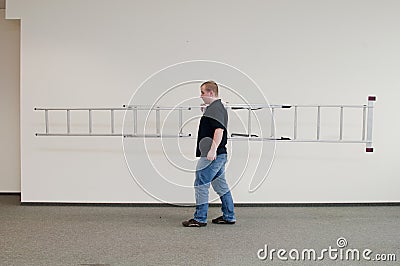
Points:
x=215 y=116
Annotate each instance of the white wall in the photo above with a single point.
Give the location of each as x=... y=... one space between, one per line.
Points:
x=9 y=105
x=96 y=53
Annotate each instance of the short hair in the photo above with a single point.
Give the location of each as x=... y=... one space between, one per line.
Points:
x=210 y=86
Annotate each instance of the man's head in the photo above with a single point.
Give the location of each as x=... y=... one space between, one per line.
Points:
x=209 y=91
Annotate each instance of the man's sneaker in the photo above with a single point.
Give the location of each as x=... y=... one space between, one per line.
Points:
x=193 y=223
x=221 y=220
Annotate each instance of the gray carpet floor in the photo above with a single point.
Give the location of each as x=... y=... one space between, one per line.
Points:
x=92 y=235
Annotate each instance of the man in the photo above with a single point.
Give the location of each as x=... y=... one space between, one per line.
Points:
x=211 y=148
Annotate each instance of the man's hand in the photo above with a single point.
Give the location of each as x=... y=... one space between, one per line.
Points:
x=203 y=107
x=211 y=155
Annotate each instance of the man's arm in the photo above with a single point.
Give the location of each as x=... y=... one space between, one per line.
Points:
x=212 y=153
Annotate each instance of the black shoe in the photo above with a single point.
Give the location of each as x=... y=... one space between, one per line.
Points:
x=221 y=220
x=193 y=223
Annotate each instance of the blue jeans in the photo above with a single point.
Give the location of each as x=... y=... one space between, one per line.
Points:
x=212 y=172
